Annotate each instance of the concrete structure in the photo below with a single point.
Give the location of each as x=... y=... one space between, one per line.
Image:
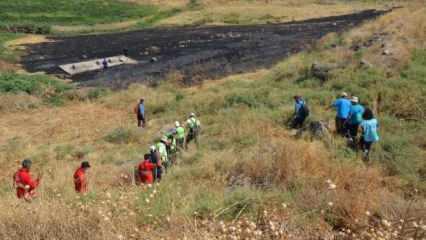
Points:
x=96 y=64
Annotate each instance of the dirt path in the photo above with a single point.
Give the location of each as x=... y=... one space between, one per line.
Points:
x=196 y=52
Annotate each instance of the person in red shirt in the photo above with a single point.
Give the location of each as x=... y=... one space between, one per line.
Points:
x=25 y=185
x=145 y=170
x=80 y=178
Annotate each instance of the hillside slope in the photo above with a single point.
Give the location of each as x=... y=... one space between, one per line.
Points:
x=250 y=178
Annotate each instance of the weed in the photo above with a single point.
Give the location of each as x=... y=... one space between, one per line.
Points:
x=122 y=136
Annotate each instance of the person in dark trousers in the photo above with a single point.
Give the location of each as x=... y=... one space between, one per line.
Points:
x=140 y=113
x=155 y=158
x=193 y=127
x=369 y=126
x=301 y=112
x=343 y=107
x=354 y=120
x=145 y=170
x=105 y=63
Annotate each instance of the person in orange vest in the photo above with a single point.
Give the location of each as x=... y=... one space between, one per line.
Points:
x=24 y=183
x=80 y=178
x=146 y=168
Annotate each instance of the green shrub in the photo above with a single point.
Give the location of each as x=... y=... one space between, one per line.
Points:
x=122 y=136
x=97 y=93
x=241 y=200
x=39 y=85
x=193 y=4
x=204 y=204
x=37 y=16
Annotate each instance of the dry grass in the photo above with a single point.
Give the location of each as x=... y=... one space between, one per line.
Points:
x=119 y=26
x=27 y=39
x=248 y=12
x=398 y=35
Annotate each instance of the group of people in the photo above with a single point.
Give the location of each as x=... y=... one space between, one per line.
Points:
x=351 y=117
x=26 y=185
x=162 y=155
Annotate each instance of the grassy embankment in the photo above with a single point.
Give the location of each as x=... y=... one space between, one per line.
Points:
x=247 y=162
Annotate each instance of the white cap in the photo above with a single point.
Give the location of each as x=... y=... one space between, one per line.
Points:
x=152 y=148
x=192 y=114
x=177 y=124
x=344 y=94
x=164 y=139
x=355 y=99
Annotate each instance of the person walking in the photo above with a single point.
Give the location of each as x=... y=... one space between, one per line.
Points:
x=342 y=106
x=172 y=146
x=354 y=119
x=155 y=158
x=301 y=112
x=81 y=184
x=194 y=126
x=145 y=170
x=369 y=126
x=180 y=136
x=162 y=150
x=140 y=113
x=24 y=183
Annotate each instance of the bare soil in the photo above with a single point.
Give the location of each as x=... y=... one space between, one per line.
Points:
x=196 y=52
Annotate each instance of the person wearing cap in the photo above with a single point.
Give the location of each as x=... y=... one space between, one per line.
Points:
x=354 y=119
x=343 y=107
x=80 y=178
x=140 y=112
x=301 y=112
x=193 y=125
x=369 y=126
x=155 y=158
x=145 y=170
x=180 y=135
x=162 y=150
x=24 y=183
x=172 y=146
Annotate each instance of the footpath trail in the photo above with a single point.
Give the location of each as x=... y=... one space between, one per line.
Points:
x=196 y=52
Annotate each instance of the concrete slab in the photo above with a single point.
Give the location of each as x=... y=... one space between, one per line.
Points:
x=96 y=64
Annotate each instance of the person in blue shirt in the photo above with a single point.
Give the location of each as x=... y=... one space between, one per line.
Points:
x=301 y=112
x=369 y=126
x=140 y=112
x=354 y=119
x=343 y=107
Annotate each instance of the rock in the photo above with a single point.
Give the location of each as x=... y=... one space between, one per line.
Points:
x=321 y=71
x=356 y=47
x=365 y=63
x=387 y=52
x=318 y=129
x=314 y=130
x=154 y=49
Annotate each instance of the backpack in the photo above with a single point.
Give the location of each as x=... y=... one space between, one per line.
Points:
x=305 y=110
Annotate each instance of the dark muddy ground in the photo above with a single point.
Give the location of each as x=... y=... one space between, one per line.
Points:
x=196 y=52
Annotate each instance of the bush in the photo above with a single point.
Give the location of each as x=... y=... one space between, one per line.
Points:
x=39 y=85
x=122 y=136
x=30 y=28
x=97 y=93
